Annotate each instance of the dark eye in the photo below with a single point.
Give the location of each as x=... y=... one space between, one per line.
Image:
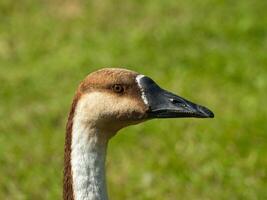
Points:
x=118 y=88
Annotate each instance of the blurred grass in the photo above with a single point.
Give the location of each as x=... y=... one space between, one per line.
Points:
x=210 y=51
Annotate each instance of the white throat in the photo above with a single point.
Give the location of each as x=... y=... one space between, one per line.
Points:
x=88 y=162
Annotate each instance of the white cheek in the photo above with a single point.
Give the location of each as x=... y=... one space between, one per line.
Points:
x=92 y=105
x=97 y=105
x=138 y=78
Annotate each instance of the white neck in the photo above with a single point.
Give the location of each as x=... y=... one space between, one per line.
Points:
x=88 y=162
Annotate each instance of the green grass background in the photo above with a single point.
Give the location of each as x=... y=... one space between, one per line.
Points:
x=213 y=52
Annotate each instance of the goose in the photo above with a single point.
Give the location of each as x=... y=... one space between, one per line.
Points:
x=106 y=101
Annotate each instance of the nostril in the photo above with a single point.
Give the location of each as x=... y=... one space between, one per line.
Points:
x=173 y=101
x=176 y=101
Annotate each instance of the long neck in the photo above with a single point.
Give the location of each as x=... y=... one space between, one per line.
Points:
x=84 y=170
x=88 y=164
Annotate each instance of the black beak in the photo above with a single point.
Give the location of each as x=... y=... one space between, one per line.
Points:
x=164 y=104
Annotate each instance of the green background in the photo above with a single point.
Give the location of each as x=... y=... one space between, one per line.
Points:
x=213 y=52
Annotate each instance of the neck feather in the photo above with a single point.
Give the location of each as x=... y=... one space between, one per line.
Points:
x=85 y=154
x=88 y=164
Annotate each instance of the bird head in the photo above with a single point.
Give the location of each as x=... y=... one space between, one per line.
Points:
x=113 y=98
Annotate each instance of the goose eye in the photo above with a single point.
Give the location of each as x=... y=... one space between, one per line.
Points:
x=117 y=88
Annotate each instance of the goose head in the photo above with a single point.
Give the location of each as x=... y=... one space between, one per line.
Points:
x=114 y=98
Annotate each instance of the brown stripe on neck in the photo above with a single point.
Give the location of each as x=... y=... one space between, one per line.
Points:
x=68 y=180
